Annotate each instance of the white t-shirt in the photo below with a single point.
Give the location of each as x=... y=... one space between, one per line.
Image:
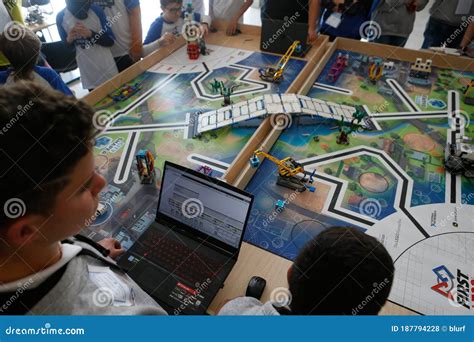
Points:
x=225 y=9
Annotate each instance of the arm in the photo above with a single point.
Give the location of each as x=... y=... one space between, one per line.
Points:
x=104 y=38
x=313 y=18
x=135 y=23
x=421 y=4
x=66 y=37
x=468 y=36
x=154 y=32
x=233 y=22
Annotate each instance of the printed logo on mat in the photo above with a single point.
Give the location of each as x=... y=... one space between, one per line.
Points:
x=459 y=289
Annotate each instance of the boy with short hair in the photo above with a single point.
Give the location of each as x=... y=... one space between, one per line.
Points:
x=24 y=53
x=170 y=23
x=231 y=11
x=333 y=275
x=85 y=25
x=49 y=189
x=124 y=17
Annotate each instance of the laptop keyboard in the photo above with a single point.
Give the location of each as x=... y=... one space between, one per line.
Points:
x=176 y=257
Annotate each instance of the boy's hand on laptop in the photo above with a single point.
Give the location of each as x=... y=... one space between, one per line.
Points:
x=113 y=246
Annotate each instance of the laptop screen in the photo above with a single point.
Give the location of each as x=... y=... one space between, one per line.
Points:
x=204 y=204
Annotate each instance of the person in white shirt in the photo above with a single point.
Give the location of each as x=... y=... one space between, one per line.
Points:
x=231 y=11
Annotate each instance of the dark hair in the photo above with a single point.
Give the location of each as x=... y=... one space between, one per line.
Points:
x=342 y=271
x=22 y=48
x=43 y=135
x=165 y=3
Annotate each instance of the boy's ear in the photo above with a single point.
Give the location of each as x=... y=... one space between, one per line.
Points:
x=22 y=231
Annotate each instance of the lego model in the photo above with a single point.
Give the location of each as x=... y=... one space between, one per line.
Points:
x=288 y=169
x=146 y=166
x=469 y=94
x=420 y=73
x=125 y=92
x=459 y=158
x=342 y=61
x=276 y=74
x=280 y=205
x=359 y=114
x=101 y=210
x=192 y=33
x=375 y=72
x=345 y=131
x=227 y=93
x=215 y=86
x=205 y=170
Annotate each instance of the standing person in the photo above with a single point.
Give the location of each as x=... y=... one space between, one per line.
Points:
x=230 y=11
x=124 y=17
x=345 y=18
x=83 y=24
x=306 y=11
x=448 y=22
x=10 y=11
x=467 y=44
x=396 y=19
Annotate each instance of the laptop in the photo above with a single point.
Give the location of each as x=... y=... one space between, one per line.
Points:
x=277 y=36
x=184 y=257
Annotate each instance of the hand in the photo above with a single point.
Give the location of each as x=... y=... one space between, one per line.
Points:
x=232 y=27
x=312 y=36
x=205 y=29
x=72 y=36
x=113 y=246
x=167 y=39
x=82 y=31
x=136 y=52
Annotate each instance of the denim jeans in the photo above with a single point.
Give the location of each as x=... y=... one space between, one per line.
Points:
x=438 y=33
x=391 y=40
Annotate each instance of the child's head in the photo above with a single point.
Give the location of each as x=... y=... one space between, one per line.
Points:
x=48 y=183
x=22 y=50
x=79 y=8
x=342 y=271
x=172 y=9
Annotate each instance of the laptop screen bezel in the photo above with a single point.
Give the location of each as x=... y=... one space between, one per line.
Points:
x=192 y=232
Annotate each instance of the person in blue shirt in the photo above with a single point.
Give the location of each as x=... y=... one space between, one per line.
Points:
x=23 y=55
x=85 y=25
x=345 y=18
x=170 y=23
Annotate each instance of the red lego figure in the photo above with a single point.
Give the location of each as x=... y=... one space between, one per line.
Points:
x=193 y=50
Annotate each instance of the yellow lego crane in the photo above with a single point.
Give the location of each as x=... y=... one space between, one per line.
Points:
x=288 y=168
x=276 y=74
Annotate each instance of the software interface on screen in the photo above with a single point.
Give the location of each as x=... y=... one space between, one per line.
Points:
x=207 y=207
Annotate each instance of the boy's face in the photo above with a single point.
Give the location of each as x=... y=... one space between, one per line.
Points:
x=76 y=203
x=172 y=12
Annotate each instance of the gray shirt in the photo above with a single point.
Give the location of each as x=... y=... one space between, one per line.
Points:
x=394 y=18
x=452 y=12
x=248 y=306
